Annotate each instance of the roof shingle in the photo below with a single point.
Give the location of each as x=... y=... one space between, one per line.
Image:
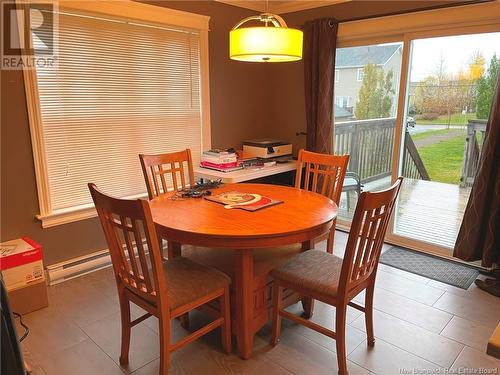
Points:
x=340 y=112
x=361 y=56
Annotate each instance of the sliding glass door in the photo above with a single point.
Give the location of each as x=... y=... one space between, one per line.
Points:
x=416 y=108
x=366 y=92
x=448 y=97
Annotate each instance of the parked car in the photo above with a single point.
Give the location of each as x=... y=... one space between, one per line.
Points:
x=410 y=121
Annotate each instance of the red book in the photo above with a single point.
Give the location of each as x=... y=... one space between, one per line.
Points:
x=218 y=166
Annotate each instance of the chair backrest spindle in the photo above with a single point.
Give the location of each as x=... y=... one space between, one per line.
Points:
x=129 y=230
x=366 y=236
x=166 y=172
x=324 y=174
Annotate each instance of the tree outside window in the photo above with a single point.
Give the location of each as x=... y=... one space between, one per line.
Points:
x=486 y=88
x=375 y=95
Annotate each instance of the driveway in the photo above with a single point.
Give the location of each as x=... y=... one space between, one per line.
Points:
x=435 y=138
x=424 y=128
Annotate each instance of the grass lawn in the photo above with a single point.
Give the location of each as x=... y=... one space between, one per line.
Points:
x=443 y=160
x=455 y=119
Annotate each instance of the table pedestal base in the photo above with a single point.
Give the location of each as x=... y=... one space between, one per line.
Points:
x=251 y=290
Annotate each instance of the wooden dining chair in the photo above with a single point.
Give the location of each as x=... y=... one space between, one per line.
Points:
x=330 y=279
x=167 y=171
x=324 y=174
x=165 y=289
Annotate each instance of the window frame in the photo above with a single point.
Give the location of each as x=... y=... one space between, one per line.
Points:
x=123 y=9
x=360 y=72
x=337 y=75
x=339 y=101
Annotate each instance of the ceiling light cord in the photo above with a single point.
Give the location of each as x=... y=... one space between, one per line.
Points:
x=267 y=11
x=276 y=20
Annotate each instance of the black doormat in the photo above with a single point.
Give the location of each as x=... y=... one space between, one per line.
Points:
x=439 y=269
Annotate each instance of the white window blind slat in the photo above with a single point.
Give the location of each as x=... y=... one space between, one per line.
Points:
x=120 y=89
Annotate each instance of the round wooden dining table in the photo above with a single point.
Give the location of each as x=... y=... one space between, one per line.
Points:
x=300 y=218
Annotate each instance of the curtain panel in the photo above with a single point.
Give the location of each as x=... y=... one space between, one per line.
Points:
x=479 y=235
x=320 y=39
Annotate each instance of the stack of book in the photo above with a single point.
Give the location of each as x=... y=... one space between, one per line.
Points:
x=220 y=160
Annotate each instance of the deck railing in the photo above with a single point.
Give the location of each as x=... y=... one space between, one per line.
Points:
x=413 y=165
x=370 y=144
x=472 y=151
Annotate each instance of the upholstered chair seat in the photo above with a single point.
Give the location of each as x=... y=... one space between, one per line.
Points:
x=189 y=281
x=314 y=271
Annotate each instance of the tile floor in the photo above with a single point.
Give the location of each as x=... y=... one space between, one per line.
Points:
x=420 y=324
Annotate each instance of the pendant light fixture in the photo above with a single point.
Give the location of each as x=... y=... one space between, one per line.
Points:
x=273 y=42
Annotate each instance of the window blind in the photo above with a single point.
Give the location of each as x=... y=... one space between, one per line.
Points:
x=119 y=89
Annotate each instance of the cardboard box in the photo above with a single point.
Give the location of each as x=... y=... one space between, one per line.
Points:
x=29 y=298
x=20 y=262
x=22 y=271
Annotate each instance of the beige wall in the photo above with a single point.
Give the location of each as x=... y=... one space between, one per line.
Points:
x=239 y=109
x=247 y=100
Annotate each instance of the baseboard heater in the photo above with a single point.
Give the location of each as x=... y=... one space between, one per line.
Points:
x=60 y=272
x=57 y=273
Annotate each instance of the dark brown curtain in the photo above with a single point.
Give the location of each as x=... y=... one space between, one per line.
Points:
x=479 y=235
x=320 y=39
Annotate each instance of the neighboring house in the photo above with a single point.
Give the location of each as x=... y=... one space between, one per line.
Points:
x=349 y=70
x=341 y=114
